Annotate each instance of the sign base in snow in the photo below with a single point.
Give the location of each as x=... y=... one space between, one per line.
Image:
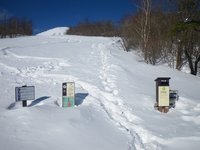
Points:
x=68 y=94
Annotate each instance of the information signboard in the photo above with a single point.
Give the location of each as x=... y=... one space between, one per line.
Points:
x=68 y=94
x=24 y=93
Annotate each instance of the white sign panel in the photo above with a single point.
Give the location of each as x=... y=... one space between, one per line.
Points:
x=163 y=92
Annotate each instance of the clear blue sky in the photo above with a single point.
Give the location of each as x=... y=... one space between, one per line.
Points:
x=47 y=14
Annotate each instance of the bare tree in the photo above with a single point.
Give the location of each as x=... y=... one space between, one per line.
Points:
x=143 y=25
x=145 y=32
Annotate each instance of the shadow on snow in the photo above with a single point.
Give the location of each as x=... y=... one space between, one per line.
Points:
x=38 y=100
x=79 y=98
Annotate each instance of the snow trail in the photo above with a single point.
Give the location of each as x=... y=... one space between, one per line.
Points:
x=4 y=50
x=7 y=52
x=114 y=106
x=12 y=70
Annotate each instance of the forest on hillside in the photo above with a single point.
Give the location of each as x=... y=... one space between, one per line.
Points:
x=162 y=31
x=14 y=26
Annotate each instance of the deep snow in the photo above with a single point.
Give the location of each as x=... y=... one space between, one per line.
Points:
x=115 y=95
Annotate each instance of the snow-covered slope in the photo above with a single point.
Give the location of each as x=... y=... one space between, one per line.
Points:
x=115 y=95
x=55 y=31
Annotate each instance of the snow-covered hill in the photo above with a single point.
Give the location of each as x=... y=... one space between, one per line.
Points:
x=55 y=31
x=115 y=96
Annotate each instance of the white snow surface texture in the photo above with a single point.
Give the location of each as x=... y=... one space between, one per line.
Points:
x=115 y=96
x=55 y=31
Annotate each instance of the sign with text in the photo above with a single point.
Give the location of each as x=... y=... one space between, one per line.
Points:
x=24 y=93
x=163 y=92
x=68 y=94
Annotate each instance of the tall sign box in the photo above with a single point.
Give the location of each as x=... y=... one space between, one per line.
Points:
x=68 y=94
x=162 y=94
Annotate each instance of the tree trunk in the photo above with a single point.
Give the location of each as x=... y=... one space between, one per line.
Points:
x=145 y=27
x=192 y=70
x=196 y=65
x=179 y=61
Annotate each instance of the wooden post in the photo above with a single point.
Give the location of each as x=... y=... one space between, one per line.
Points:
x=24 y=103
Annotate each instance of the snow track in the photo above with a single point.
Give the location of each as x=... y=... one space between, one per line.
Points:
x=6 y=51
x=121 y=114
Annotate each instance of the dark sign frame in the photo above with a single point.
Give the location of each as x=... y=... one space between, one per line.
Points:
x=24 y=93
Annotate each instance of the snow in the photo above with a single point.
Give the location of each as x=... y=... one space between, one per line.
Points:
x=55 y=31
x=115 y=96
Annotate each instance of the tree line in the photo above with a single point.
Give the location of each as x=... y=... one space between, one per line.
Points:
x=162 y=31
x=168 y=32
x=14 y=26
x=99 y=28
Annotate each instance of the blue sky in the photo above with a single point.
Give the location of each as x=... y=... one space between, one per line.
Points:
x=47 y=14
